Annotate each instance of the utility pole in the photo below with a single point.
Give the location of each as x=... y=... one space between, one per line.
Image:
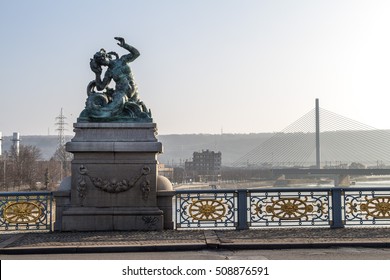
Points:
x=61 y=128
x=61 y=153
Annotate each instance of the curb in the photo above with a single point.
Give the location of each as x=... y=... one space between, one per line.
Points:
x=185 y=247
x=276 y=246
x=102 y=249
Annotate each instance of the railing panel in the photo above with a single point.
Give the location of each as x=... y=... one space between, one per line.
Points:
x=26 y=211
x=368 y=206
x=269 y=208
x=206 y=209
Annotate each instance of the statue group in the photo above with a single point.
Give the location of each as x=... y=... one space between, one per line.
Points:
x=114 y=183
x=119 y=104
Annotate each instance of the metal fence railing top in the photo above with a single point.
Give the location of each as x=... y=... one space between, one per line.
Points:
x=332 y=207
x=282 y=207
x=26 y=211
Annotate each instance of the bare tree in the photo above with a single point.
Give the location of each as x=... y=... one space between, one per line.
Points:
x=62 y=156
x=23 y=169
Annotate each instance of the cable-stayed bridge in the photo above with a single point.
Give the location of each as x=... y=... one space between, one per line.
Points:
x=321 y=139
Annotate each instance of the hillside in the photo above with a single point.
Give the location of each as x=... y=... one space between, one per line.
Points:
x=47 y=144
x=368 y=147
x=176 y=147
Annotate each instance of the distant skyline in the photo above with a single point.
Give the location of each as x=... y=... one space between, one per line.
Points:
x=245 y=66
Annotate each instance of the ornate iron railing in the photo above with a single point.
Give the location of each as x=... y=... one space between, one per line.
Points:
x=289 y=208
x=282 y=207
x=206 y=209
x=233 y=209
x=366 y=206
x=26 y=211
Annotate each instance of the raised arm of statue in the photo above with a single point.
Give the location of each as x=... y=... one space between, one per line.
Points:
x=133 y=52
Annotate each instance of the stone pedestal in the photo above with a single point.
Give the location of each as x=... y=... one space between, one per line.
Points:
x=114 y=178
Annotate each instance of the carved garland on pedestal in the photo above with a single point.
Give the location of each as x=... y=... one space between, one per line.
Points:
x=112 y=185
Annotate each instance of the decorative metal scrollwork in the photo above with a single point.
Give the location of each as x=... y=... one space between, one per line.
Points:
x=207 y=210
x=22 y=212
x=296 y=208
x=367 y=207
x=26 y=211
x=290 y=209
x=377 y=207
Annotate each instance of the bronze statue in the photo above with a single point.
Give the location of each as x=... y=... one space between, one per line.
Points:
x=119 y=104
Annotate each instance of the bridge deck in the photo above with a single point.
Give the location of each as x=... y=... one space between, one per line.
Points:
x=312 y=171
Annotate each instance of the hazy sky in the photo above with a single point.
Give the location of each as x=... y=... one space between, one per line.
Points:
x=241 y=66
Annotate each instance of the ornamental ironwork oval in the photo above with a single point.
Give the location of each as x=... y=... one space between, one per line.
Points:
x=207 y=210
x=378 y=207
x=22 y=212
x=289 y=209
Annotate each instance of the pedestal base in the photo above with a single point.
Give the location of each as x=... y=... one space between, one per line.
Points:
x=114 y=179
x=111 y=219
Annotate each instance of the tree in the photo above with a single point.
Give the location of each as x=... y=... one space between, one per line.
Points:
x=62 y=156
x=24 y=166
x=357 y=165
x=47 y=178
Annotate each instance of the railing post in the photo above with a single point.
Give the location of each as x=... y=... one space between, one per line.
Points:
x=337 y=213
x=242 y=210
x=51 y=212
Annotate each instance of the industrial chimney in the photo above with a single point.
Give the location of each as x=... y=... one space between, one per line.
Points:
x=15 y=142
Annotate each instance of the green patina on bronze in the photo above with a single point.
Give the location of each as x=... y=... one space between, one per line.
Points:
x=121 y=104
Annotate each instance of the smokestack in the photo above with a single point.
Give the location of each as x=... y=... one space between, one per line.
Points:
x=15 y=142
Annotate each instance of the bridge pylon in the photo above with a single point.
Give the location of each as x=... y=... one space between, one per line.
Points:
x=318 y=148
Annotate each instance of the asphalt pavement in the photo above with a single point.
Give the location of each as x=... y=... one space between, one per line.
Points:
x=186 y=240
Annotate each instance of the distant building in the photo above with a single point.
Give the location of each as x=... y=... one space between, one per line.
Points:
x=204 y=167
x=165 y=171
